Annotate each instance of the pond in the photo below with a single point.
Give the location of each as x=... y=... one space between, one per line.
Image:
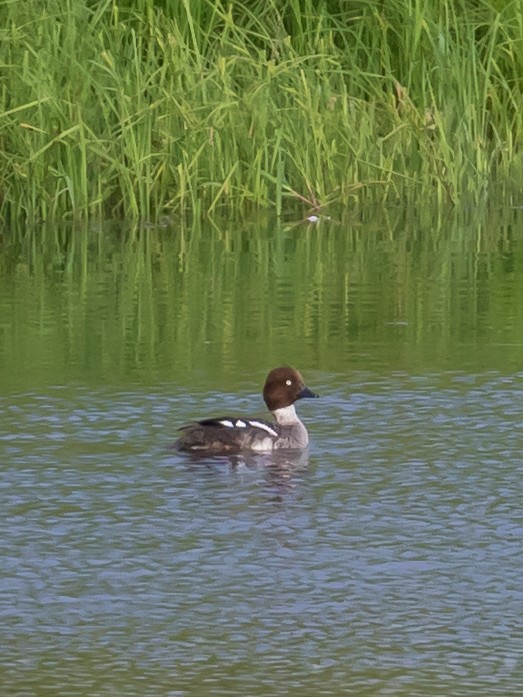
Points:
x=385 y=560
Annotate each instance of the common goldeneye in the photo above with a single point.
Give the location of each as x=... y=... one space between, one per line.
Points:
x=283 y=387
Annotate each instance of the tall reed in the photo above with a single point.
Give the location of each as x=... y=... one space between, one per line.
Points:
x=151 y=109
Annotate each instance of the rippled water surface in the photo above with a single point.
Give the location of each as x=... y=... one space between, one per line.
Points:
x=385 y=561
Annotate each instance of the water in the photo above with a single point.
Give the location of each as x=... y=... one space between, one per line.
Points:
x=385 y=561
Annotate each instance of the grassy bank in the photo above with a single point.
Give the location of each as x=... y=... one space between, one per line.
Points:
x=151 y=109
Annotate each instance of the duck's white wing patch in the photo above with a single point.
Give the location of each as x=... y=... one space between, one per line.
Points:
x=265 y=427
x=232 y=423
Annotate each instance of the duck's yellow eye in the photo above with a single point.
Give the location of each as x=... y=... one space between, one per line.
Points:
x=288 y=382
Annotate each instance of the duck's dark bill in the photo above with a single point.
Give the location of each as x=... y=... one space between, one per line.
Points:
x=307 y=393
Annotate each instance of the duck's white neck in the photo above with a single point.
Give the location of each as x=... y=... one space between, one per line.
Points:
x=286 y=416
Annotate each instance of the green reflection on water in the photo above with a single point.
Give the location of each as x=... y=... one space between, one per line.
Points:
x=389 y=291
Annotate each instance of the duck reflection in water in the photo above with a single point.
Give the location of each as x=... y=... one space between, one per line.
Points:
x=279 y=468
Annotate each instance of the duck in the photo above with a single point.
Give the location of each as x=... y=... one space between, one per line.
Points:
x=283 y=387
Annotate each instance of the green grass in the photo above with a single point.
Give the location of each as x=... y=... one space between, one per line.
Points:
x=146 y=109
